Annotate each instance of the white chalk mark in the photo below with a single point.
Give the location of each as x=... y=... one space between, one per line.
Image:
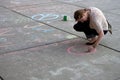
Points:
x=35 y=78
x=80 y=70
x=59 y=71
x=45 y=17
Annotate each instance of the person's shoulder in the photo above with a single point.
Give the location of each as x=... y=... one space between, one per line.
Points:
x=93 y=8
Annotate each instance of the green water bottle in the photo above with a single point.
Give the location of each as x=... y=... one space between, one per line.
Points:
x=64 y=18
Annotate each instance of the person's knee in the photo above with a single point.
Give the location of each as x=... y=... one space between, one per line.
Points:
x=76 y=27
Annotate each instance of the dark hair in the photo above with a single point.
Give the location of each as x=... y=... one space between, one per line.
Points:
x=79 y=13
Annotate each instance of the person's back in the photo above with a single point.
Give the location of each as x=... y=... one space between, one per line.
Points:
x=97 y=19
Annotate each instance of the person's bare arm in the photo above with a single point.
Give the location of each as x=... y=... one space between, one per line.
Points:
x=99 y=38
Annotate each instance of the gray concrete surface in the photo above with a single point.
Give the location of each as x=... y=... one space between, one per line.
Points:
x=35 y=44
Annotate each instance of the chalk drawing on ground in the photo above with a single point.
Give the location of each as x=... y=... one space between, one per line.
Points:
x=7 y=44
x=78 y=71
x=31 y=31
x=3 y=39
x=35 y=78
x=5 y=32
x=45 y=17
x=79 y=50
x=15 y=2
x=39 y=28
x=71 y=36
x=21 y=20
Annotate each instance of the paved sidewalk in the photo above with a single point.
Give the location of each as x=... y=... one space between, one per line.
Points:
x=36 y=44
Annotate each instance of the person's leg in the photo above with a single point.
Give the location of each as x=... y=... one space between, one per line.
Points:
x=83 y=27
x=93 y=39
x=79 y=26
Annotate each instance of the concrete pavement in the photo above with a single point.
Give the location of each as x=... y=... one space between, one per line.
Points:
x=35 y=44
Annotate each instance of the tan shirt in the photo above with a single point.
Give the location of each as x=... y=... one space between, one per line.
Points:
x=97 y=19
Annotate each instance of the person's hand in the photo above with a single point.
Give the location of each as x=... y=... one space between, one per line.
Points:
x=91 y=49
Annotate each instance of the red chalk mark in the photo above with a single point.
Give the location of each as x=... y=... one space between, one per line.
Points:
x=5 y=32
x=83 y=51
x=9 y=54
x=6 y=44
